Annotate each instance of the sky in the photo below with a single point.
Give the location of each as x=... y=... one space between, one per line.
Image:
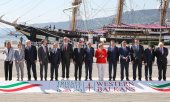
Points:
x=42 y=11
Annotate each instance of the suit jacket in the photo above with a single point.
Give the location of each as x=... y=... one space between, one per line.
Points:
x=113 y=54
x=19 y=56
x=89 y=54
x=149 y=56
x=31 y=54
x=98 y=54
x=42 y=55
x=78 y=57
x=137 y=54
x=9 y=56
x=66 y=55
x=124 y=53
x=161 y=58
x=55 y=56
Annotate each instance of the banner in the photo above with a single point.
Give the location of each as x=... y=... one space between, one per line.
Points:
x=85 y=87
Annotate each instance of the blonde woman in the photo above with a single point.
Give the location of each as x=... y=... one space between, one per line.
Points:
x=101 y=55
x=8 y=61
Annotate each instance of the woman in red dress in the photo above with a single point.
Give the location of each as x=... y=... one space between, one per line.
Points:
x=101 y=55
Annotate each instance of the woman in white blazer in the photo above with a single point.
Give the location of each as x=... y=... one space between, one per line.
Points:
x=8 y=61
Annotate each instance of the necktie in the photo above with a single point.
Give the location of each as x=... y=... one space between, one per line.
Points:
x=88 y=49
x=162 y=50
x=79 y=50
x=29 y=48
x=44 y=49
x=112 y=48
x=65 y=47
x=55 y=50
x=8 y=50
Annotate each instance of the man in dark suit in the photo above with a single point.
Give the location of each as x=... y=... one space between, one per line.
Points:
x=55 y=57
x=31 y=59
x=149 y=60
x=161 y=54
x=137 y=56
x=124 y=53
x=89 y=54
x=43 y=55
x=113 y=58
x=78 y=58
x=66 y=56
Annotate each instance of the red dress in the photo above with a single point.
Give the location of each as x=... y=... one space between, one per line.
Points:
x=101 y=56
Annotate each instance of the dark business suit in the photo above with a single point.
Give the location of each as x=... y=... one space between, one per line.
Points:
x=162 y=62
x=89 y=54
x=149 y=58
x=124 y=64
x=137 y=56
x=43 y=55
x=31 y=57
x=113 y=58
x=55 y=57
x=66 y=56
x=78 y=57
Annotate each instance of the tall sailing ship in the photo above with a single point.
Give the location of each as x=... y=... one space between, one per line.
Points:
x=116 y=30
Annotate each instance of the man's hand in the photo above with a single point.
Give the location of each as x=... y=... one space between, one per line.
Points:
x=153 y=62
x=145 y=64
x=40 y=62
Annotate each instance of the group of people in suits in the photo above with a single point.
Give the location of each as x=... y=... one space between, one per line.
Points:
x=65 y=54
x=136 y=54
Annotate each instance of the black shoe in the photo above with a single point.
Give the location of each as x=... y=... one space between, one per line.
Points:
x=134 y=79
x=146 y=79
x=85 y=80
x=164 y=79
x=150 y=79
x=121 y=79
x=113 y=79
x=51 y=80
x=127 y=79
x=29 y=79
x=109 y=79
x=45 y=79
x=56 y=79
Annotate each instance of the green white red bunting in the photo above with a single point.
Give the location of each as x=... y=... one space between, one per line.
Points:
x=85 y=87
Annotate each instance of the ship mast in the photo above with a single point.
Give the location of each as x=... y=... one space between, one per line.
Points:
x=75 y=5
x=164 y=7
x=119 y=12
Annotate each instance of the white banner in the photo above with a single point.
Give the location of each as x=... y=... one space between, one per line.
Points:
x=85 y=87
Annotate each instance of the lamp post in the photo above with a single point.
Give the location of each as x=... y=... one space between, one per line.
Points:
x=160 y=37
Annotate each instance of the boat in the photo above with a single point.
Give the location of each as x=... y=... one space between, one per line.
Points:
x=117 y=30
x=145 y=32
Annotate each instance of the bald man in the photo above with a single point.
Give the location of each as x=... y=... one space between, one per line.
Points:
x=161 y=53
x=31 y=59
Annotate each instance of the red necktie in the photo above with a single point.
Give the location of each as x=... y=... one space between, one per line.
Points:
x=65 y=47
